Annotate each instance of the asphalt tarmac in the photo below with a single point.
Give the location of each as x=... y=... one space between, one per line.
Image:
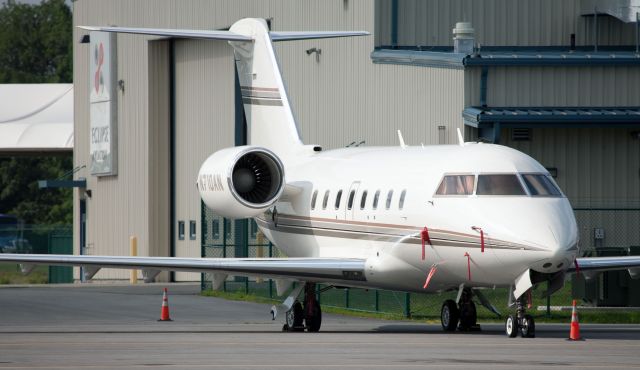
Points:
x=111 y=327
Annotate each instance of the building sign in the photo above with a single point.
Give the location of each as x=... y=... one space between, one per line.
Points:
x=103 y=145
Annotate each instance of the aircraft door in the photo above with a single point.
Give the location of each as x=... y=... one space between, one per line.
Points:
x=352 y=195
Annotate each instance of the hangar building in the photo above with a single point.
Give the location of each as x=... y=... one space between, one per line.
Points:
x=557 y=79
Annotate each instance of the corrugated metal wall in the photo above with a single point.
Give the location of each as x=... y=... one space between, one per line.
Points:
x=598 y=169
x=120 y=206
x=498 y=23
x=556 y=86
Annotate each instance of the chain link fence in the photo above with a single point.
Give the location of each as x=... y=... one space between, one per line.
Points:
x=226 y=238
x=16 y=237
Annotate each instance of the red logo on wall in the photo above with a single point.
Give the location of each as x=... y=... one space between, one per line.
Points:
x=98 y=80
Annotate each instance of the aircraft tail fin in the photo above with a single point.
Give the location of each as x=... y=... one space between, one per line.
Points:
x=270 y=119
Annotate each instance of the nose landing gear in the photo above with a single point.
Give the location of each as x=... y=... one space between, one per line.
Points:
x=520 y=322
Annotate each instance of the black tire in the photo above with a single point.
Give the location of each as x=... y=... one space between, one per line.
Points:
x=449 y=315
x=468 y=316
x=315 y=321
x=528 y=327
x=511 y=326
x=294 y=317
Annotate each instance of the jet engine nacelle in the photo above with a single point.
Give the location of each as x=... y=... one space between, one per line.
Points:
x=241 y=182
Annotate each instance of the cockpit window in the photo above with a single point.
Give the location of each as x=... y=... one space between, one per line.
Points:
x=456 y=185
x=499 y=185
x=541 y=185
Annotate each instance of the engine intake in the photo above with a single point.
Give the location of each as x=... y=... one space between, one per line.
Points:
x=241 y=182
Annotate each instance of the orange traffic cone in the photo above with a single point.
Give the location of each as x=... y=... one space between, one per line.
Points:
x=164 y=313
x=574 y=334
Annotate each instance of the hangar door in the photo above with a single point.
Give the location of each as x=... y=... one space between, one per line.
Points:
x=204 y=122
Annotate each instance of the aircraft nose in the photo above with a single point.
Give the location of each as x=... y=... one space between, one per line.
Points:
x=562 y=243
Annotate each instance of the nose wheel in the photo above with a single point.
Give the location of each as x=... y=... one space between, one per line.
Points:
x=520 y=322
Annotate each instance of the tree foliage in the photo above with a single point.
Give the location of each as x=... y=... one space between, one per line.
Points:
x=35 y=42
x=20 y=195
x=35 y=47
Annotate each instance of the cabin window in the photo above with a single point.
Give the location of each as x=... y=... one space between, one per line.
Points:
x=499 y=185
x=338 y=197
x=541 y=185
x=389 y=197
x=376 y=197
x=351 y=196
x=401 y=202
x=456 y=185
x=314 y=197
x=325 y=200
x=363 y=200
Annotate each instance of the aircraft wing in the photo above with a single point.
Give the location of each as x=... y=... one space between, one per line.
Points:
x=598 y=264
x=331 y=270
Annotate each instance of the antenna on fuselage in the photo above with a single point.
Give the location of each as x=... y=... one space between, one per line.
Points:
x=460 y=137
x=401 y=139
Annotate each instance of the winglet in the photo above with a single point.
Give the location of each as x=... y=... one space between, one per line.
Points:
x=460 y=137
x=401 y=139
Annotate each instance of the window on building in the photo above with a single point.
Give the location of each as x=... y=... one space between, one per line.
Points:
x=352 y=194
x=401 y=202
x=540 y=185
x=313 y=199
x=325 y=200
x=363 y=199
x=499 y=185
x=215 y=228
x=192 y=230
x=376 y=197
x=389 y=198
x=180 y=230
x=338 y=198
x=456 y=185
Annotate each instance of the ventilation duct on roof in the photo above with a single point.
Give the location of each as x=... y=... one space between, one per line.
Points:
x=624 y=10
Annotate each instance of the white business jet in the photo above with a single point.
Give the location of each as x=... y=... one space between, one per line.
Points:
x=416 y=219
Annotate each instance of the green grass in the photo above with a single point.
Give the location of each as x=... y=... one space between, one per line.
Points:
x=424 y=308
x=10 y=274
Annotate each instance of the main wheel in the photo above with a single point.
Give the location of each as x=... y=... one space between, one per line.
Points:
x=294 y=317
x=449 y=315
x=511 y=326
x=315 y=320
x=528 y=327
x=468 y=316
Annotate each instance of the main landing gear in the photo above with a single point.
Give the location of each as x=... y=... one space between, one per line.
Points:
x=520 y=322
x=461 y=315
x=304 y=316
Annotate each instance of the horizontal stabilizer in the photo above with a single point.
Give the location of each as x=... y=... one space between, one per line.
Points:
x=307 y=35
x=183 y=34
